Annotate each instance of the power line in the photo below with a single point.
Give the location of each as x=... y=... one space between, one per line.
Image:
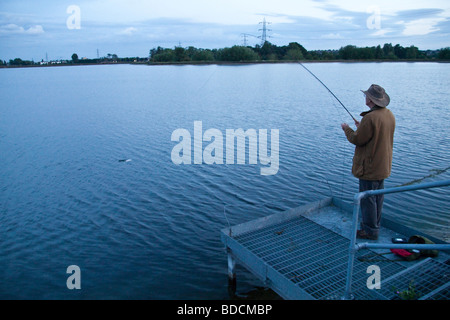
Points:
x=245 y=36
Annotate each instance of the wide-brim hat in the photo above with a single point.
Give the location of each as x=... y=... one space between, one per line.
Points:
x=378 y=95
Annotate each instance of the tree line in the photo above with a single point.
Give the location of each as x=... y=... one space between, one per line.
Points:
x=75 y=59
x=293 y=52
x=267 y=52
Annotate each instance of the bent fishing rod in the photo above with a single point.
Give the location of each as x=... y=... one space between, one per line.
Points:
x=329 y=91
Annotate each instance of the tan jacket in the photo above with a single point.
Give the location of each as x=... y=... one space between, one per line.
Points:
x=374 y=141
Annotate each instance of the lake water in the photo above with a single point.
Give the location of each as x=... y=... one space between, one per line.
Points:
x=149 y=229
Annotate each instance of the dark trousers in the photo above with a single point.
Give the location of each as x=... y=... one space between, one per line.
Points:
x=371 y=207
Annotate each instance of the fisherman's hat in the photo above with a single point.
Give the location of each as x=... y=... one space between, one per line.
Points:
x=378 y=95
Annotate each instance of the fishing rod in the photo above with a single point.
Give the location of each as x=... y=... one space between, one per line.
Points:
x=329 y=91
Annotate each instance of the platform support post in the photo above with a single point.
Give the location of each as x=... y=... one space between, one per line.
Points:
x=352 y=248
x=231 y=272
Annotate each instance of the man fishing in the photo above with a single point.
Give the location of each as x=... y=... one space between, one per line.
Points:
x=372 y=161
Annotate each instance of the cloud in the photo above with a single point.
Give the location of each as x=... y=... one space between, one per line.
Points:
x=332 y=36
x=14 y=29
x=419 y=13
x=128 y=31
x=420 y=22
x=38 y=29
x=381 y=32
x=421 y=27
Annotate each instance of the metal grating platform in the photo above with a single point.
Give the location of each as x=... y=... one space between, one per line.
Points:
x=301 y=259
x=310 y=256
x=429 y=279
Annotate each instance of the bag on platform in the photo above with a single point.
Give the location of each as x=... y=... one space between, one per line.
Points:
x=410 y=255
x=423 y=240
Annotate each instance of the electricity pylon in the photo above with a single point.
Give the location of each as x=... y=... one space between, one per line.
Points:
x=264 y=30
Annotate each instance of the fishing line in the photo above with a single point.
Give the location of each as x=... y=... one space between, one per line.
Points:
x=329 y=91
x=436 y=172
x=344 y=153
x=206 y=82
x=226 y=217
x=264 y=205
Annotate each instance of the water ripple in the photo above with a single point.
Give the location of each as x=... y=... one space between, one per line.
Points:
x=149 y=229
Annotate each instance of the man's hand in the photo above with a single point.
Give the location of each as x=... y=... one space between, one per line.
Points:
x=344 y=126
x=356 y=123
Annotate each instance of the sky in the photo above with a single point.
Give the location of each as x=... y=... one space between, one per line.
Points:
x=37 y=30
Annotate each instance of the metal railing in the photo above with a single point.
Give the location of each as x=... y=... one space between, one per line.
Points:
x=354 y=247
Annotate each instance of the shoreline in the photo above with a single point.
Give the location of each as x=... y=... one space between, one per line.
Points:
x=225 y=63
